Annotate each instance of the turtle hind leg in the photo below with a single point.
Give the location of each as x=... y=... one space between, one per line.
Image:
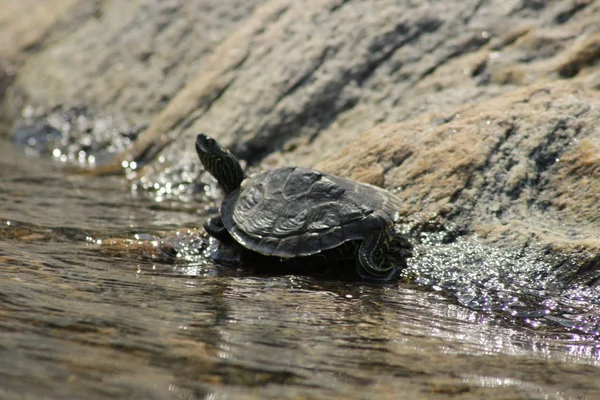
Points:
x=371 y=258
x=215 y=228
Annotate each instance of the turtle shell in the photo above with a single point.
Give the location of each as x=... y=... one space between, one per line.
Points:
x=289 y=212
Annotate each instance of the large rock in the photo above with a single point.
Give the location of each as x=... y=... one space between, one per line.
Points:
x=336 y=69
x=304 y=77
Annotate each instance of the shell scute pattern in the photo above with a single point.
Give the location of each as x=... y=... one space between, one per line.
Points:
x=299 y=182
x=254 y=195
x=292 y=220
x=263 y=218
x=323 y=217
x=295 y=211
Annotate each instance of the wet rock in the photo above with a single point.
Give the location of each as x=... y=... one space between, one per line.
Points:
x=153 y=250
x=76 y=135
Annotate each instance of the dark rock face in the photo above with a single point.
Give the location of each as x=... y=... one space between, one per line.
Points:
x=484 y=114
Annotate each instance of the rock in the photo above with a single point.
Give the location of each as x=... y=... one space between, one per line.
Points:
x=6 y=78
x=335 y=69
x=143 y=250
x=520 y=170
x=387 y=65
x=27 y=27
x=131 y=58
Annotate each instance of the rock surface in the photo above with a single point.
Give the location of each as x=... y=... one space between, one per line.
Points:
x=484 y=113
x=125 y=59
x=27 y=27
x=520 y=170
x=335 y=68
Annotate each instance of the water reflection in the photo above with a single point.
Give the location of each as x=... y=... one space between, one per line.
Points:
x=80 y=321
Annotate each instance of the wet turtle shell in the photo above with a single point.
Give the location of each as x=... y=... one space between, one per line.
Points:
x=289 y=212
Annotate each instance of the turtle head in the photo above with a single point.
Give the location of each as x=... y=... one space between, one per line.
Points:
x=220 y=163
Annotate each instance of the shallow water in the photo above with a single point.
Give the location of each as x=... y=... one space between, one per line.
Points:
x=78 y=321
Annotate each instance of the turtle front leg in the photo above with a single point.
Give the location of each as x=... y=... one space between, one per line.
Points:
x=371 y=257
x=215 y=228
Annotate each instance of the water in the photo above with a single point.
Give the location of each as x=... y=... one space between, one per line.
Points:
x=82 y=319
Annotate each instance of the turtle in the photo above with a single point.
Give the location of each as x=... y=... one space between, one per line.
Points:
x=295 y=212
